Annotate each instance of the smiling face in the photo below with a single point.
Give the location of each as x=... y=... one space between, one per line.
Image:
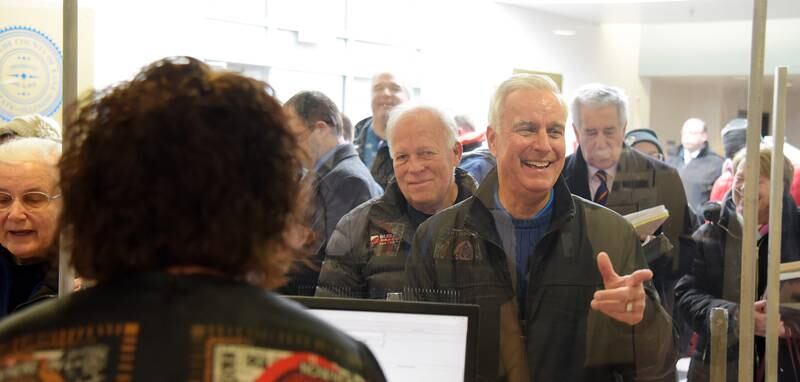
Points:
x=27 y=233
x=763 y=193
x=424 y=163
x=600 y=135
x=387 y=92
x=529 y=143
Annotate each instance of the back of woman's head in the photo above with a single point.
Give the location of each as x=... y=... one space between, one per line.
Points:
x=181 y=166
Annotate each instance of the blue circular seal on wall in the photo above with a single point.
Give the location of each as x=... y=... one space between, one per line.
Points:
x=30 y=73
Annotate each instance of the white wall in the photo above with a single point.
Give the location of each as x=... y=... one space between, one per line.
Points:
x=715 y=100
x=716 y=48
x=455 y=52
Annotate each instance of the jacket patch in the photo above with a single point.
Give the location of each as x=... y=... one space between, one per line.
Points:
x=459 y=245
x=383 y=239
x=250 y=363
x=385 y=244
x=464 y=251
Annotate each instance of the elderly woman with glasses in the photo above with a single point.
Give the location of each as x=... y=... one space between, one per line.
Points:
x=713 y=280
x=29 y=210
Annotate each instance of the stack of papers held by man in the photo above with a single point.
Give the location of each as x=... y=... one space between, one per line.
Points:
x=646 y=222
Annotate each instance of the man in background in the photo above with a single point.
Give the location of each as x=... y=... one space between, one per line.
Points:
x=370 y=141
x=697 y=165
x=607 y=171
x=339 y=179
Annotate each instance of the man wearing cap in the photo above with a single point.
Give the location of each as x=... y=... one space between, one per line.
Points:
x=697 y=165
x=646 y=142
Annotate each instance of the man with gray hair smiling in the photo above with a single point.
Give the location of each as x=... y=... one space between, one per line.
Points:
x=561 y=282
x=366 y=255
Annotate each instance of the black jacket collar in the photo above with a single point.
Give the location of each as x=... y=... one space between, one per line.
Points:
x=481 y=220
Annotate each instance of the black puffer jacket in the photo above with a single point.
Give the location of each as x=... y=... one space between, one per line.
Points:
x=161 y=327
x=367 y=252
x=458 y=256
x=714 y=278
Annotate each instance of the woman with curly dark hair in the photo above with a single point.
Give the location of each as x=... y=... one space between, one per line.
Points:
x=180 y=191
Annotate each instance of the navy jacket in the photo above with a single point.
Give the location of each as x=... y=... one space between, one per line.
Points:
x=340 y=185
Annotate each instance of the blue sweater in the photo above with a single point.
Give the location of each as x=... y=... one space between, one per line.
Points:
x=527 y=233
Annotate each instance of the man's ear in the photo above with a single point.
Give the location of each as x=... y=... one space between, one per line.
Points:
x=458 y=149
x=320 y=125
x=491 y=138
x=575 y=130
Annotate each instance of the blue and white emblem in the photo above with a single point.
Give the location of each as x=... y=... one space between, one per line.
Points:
x=30 y=73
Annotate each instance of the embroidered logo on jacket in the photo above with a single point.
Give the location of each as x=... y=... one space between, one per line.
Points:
x=383 y=239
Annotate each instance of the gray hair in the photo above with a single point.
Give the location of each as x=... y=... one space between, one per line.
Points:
x=407 y=108
x=599 y=95
x=523 y=81
x=32 y=125
x=38 y=150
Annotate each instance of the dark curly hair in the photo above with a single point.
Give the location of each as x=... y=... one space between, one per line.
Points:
x=181 y=166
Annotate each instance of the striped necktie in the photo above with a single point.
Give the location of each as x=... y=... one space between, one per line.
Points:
x=601 y=195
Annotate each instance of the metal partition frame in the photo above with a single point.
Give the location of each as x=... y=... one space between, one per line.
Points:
x=66 y=276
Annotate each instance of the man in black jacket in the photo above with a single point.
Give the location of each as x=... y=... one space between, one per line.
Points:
x=340 y=180
x=543 y=265
x=366 y=255
x=387 y=92
x=697 y=165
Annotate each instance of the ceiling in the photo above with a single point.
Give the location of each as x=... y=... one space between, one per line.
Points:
x=660 y=12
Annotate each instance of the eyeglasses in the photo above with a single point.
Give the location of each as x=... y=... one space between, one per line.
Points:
x=32 y=200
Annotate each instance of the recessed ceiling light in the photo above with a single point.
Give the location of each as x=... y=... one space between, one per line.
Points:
x=564 y=32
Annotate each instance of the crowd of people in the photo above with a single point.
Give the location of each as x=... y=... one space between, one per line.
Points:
x=192 y=197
